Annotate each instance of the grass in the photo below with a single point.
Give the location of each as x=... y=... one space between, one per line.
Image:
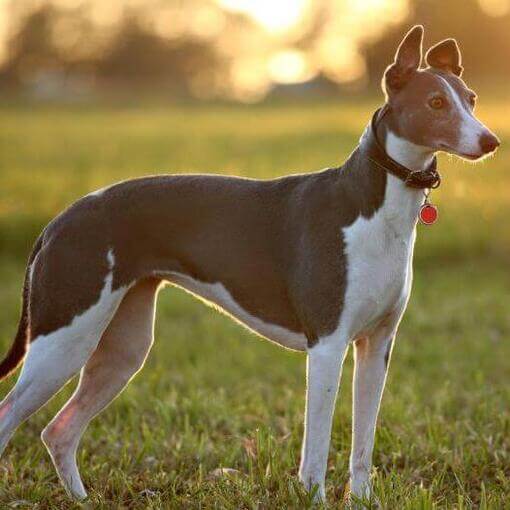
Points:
x=212 y=395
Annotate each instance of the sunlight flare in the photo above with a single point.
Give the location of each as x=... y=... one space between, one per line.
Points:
x=273 y=16
x=495 y=8
x=290 y=66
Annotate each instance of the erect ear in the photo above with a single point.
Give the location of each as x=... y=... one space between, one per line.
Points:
x=445 y=55
x=407 y=60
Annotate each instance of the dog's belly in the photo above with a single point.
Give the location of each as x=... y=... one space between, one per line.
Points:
x=379 y=274
x=217 y=295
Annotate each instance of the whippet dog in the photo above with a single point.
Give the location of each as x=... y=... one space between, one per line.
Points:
x=312 y=262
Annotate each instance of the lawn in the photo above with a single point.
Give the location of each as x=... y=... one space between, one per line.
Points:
x=213 y=395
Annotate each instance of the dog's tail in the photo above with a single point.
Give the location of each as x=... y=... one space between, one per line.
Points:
x=19 y=347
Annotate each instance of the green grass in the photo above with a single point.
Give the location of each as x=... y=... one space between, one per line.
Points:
x=213 y=395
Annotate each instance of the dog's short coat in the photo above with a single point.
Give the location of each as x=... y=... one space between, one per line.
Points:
x=312 y=262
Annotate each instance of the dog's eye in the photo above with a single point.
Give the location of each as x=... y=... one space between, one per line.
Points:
x=436 y=103
x=472 y=100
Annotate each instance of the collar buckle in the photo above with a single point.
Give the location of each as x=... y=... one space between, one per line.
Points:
x=429 y=178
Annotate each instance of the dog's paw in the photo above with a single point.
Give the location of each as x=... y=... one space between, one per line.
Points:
x=313 y=487
x=362 y=499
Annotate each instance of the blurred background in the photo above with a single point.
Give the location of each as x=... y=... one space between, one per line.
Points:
x=97 y=91
x=242 y=50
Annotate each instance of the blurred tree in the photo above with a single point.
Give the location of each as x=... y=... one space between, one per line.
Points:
x=60 y=44
x=201 y=47
x=31 y=49
x=483 y=39
x=138 y=56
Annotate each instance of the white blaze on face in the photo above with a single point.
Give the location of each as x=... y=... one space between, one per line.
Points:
x=470 y=128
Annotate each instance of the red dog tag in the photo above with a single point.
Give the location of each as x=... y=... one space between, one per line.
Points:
x=428 y=214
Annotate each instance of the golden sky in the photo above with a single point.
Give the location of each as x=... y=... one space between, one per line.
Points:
x=260 y=57
x=345 y=24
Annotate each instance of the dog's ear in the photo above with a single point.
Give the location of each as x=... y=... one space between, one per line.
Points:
x=407 y=60
x=445 y=55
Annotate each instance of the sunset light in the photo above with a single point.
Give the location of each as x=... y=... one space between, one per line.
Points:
x=290 y=66
x=495 y=8
x=252 y=45
x=291 y=164
x=274 y=16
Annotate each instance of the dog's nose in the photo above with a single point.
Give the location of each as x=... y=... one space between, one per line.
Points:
x=489 y=143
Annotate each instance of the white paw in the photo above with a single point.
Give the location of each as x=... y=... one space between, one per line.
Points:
x=77 y=491
x=358 y=496
x=312 y=484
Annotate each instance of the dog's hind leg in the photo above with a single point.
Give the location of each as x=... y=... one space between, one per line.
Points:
x=120 y=354
x=54 y=358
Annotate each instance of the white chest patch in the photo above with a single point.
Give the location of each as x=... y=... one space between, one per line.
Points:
x=379 y=254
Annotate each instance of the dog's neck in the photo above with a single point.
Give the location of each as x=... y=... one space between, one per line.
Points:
x=408 y=154
x=402 y=202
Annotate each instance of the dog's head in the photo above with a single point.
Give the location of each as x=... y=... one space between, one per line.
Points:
x=433 y=107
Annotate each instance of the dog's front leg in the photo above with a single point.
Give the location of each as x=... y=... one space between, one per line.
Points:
x=371 y=357
x=323 y=369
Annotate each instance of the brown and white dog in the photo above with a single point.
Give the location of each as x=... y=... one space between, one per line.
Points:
x=312 y=262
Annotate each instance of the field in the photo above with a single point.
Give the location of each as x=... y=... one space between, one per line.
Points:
x=213 y=395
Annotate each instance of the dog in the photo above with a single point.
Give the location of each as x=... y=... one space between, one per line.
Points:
x=312 y=262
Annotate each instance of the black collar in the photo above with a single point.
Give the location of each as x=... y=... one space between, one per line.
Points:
x=421 y=179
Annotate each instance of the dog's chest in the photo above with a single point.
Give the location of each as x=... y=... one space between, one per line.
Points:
x=379 y=266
